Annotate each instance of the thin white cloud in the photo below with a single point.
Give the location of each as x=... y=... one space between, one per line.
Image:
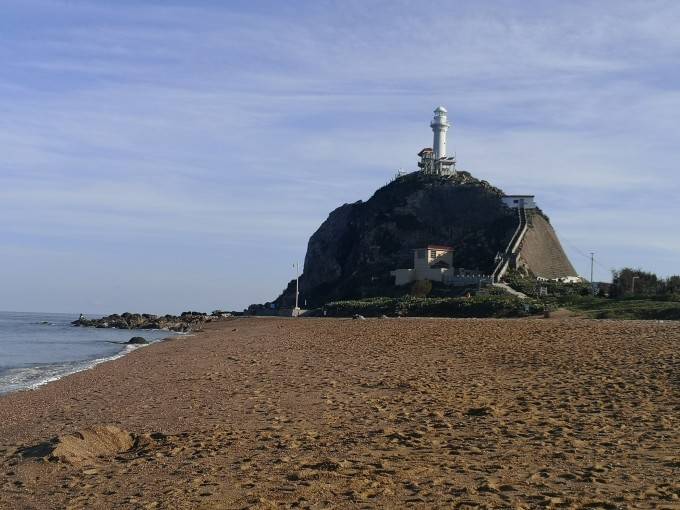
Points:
x=205 y=122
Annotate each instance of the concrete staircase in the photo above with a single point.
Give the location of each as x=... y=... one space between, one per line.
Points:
x=512 y=249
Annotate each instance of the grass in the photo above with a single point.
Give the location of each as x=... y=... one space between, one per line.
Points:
x=575 y=297
x=628 y=308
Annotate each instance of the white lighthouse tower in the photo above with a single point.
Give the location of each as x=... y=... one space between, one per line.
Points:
x=434 y=160
x=440 y=126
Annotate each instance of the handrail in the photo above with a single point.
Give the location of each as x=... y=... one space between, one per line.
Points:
x=513 y=245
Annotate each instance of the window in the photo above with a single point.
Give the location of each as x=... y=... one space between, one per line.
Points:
x=433 y=254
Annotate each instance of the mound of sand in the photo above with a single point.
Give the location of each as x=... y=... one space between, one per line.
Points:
x=84 y=445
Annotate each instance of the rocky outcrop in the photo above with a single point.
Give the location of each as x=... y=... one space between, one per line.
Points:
x=353 y=251
x=185 y=322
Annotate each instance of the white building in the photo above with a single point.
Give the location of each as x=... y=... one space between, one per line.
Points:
x=435 y=263
x=569 y=279
x=430 y=263
x=517 y=201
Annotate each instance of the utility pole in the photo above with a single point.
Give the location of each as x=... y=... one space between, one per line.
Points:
x=632 y=290
x=592 y=262
x=296 y=310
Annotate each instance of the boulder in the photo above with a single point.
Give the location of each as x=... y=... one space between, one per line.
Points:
x=186 y=322
x=137 y=340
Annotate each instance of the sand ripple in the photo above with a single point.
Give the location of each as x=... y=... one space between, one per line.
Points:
x=266 y=413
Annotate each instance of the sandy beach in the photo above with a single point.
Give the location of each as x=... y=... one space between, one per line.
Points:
x=391 y=413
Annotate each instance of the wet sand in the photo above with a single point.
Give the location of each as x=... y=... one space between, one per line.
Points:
x=392 y=413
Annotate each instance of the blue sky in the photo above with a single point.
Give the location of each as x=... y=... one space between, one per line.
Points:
x=166 y=155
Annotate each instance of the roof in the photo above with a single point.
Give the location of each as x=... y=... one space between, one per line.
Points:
x=440 y=109
x=519 y=196
x=426 y=149
x=439 y=247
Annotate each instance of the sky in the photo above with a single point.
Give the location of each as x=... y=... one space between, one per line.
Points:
x=161 y=156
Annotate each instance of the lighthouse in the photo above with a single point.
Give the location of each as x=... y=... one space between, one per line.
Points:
x=440 y=126
x=434 y=160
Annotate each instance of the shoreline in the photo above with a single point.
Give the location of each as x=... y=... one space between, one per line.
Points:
x=377 y=413
x=76 y=367
x=51 y=372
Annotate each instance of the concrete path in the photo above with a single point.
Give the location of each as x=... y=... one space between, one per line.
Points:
x=510 y=290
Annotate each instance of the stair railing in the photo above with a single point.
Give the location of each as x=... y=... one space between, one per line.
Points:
x=513 y=245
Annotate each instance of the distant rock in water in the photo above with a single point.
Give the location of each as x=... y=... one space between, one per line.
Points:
x=186 y=322
x=137 y=340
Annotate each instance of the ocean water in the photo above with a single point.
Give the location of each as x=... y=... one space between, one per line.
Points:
x=36 y=348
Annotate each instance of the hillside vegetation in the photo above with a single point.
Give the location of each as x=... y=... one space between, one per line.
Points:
x=627 y=308
x=633 y=294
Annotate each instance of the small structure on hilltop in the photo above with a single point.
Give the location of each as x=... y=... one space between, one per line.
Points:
x=520 y=201
x=435 y=263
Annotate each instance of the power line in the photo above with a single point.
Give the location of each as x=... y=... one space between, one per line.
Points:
x=589 y=257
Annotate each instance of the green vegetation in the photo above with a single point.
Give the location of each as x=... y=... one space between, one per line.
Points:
x=477 y=306
x=667 y=308
x=529 y=286
x=654 y=299
x=421 y=288
x=633 y=294
x=636 y=282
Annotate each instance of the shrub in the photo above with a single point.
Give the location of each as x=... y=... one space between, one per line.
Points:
x=421 y=288
x=478 y=306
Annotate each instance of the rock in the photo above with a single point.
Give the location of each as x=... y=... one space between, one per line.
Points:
x=358 y=317
x=479 y=411
x=137 y=340
x=186 y=322
x=353 y=251
x=351 y=254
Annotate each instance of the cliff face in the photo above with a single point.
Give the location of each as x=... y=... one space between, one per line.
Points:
x=353 y=251
x=541 y=252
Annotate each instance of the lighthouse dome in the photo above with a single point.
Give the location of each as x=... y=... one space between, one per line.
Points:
x=440 y=109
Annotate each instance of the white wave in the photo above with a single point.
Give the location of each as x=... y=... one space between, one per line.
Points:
x=30 y=378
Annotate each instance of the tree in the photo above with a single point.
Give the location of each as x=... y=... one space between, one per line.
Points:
x=646 y=284
x=421 y=288
x=672 y=285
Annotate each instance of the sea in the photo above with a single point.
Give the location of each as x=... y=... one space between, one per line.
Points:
x=37 y=348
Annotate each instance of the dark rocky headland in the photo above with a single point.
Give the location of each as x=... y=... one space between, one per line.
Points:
x=351 y=254
x=187 y=321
